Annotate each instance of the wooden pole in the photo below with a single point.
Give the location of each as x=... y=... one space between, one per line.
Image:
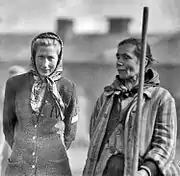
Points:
x=140 y=91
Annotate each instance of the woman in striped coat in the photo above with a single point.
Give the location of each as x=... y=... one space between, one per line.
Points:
x=113 y=122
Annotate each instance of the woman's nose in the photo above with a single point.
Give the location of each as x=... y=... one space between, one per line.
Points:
x=45 y=63
x=120 y=63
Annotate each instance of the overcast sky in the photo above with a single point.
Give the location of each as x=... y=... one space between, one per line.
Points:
x=40 y=15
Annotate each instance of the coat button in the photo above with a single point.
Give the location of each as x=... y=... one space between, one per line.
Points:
x=105 y=115
x=33 y=166
x=35 y=126
x=46 y=101
x=34 y=137
x=33 y=154
x=42 y=115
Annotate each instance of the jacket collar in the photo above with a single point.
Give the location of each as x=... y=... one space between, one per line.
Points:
x=117 y=88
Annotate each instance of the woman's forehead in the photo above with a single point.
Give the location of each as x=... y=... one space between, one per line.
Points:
x=49 y=49
x=126 y=48
x=45 y=42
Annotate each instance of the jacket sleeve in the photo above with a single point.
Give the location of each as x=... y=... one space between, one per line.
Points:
x=93 y=121
x=9 y=116
x=71 y=119
x=163 y=144
x=1 y=144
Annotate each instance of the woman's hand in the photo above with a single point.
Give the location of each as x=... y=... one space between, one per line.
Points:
x=142 y=172
x=60 y=126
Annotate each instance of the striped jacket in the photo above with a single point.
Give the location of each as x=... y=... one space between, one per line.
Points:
x=157 y=137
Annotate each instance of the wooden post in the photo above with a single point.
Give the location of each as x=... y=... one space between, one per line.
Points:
x=140 y=91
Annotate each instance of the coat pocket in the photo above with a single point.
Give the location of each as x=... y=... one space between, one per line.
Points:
x=116 y=140
x=58 y=167
x=14 y=168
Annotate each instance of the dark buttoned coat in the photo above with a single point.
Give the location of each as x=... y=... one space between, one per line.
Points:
x=37 y=148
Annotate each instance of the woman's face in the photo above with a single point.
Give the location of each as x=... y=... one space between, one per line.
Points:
x=46 y=59
x=127 y=63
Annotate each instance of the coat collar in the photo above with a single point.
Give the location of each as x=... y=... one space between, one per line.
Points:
x=147 y=91
x=117 y=88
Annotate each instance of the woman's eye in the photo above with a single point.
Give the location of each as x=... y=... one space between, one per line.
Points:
x=50 y=58
x=126 y=57
x=117 y=56
x=40 y=57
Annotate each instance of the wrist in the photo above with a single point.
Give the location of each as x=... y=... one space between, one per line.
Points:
x=146 y=169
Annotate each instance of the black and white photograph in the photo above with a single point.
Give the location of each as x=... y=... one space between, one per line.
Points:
x=89 y=88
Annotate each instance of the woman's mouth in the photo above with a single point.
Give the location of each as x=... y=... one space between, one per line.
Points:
x=45 y=70
x=121 y=69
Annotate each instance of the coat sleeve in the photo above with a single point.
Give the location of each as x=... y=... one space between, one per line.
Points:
x=1 y=144
x=93 y=120
x=71 y=119
x=163 y=144
x=9 y=116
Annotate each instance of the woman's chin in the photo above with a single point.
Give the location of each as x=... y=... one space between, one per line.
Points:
x=122 y=76
x=46 y=72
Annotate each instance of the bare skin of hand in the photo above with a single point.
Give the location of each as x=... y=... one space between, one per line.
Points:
x=142 y=172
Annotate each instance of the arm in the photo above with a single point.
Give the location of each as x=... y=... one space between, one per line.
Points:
x=2 y=142
x=163 y=145
x=71 y=118
x=92 y=125
x=9 y=116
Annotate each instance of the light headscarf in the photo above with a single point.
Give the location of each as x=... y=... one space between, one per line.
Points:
x=41 y=84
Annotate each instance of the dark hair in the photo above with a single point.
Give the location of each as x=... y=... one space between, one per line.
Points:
x=137 y=42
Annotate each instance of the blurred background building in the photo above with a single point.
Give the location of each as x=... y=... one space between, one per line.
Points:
x=91 y=30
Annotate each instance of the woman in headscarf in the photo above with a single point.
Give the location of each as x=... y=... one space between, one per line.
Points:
x=113 y=125
x=40 y=113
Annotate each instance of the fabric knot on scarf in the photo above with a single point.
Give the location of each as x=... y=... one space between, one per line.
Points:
x=129 y=93
x=117 y=87
x=38 y=92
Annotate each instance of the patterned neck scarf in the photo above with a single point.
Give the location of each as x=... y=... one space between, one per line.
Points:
x=151 y=79
x=41 y=84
